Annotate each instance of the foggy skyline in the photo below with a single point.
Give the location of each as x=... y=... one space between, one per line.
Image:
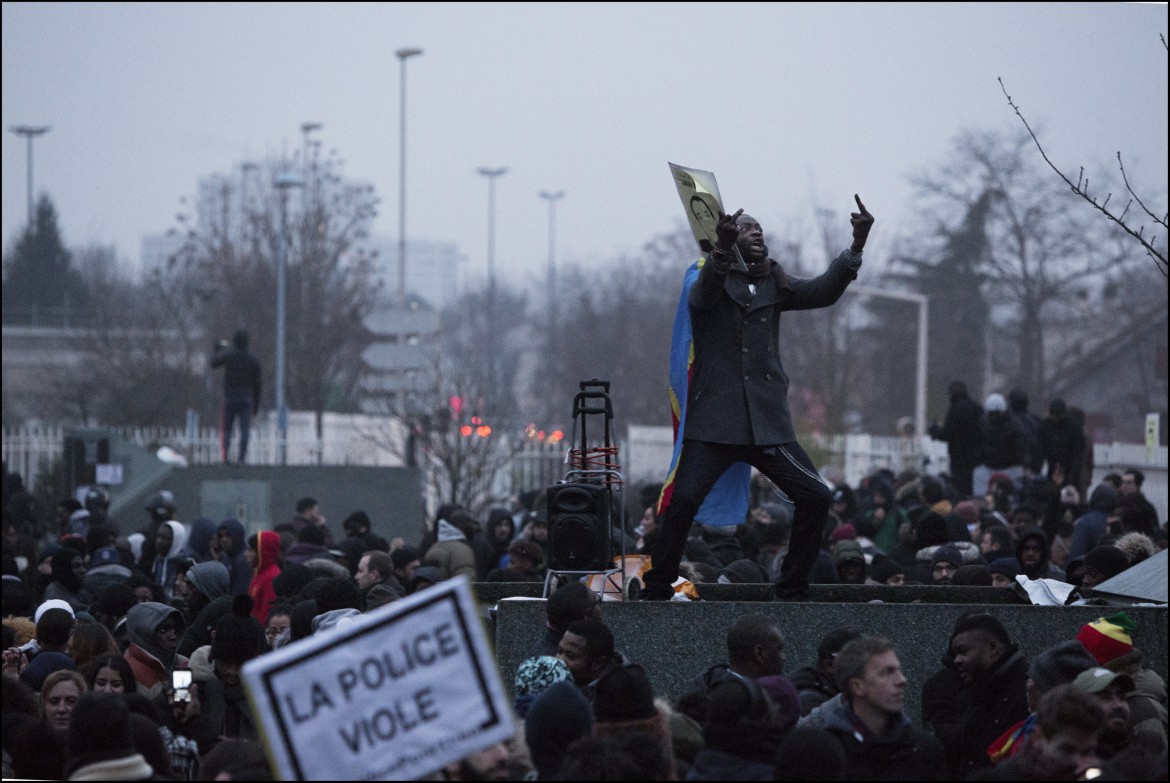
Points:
x=794 y=107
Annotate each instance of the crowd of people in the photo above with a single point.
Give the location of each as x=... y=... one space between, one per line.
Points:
x=97 y=620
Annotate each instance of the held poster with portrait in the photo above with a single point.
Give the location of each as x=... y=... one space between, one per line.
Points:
x=394 y=695
x=700 y=197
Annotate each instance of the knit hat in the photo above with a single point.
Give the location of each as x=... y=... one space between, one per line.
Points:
x=558 y=716
x=238 y=637
x=1097 y=679
x=846 y=550
x=1005 y=566
x=1107 y=559
x=42 y=665
x=882 y=568
x=537 y=673
x=974 y=574
x=743 y=571
x=783 y=695
x=106 y=555
x=846 y=532
x=624 y=695
x=947 y=554
x=53 y=603
x=288 y=582
x=1108 y=637
x=1059 y=665
x=995 y=403
x=968 y=512
x=404 y=556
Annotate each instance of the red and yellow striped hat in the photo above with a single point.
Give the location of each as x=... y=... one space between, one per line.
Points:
x=1108 y=637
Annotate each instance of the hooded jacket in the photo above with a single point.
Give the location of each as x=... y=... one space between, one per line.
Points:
x=210 y=579
x=165 y=565
x=267 y=569
x=237 y=561
x=66 y=585
x=199 y=540
x=451 y=554
x=1094 y=522
x=150 y=662
x=900 y=753
x=1045 y=569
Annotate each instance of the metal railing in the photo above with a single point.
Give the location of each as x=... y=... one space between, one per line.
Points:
x=358 y=439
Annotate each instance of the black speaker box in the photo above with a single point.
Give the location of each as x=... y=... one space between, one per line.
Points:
x=578 y=527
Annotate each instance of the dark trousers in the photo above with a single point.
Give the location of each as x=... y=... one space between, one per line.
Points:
x=701 y=464
x=236 y=408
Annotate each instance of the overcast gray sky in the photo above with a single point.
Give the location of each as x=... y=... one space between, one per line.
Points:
x=793 y=106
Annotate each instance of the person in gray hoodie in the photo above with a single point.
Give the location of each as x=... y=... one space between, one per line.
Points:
x=209 y=601
x=154 y=631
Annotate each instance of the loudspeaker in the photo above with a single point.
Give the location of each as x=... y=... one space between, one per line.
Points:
x=578 y=527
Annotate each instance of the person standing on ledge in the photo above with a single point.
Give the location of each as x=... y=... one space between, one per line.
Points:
x=241 y=390
x=737 y=396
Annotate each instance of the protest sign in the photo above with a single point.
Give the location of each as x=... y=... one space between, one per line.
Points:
x=394 y=695
x=700 y=197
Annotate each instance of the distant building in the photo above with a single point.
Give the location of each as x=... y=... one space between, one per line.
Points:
x=432 y=269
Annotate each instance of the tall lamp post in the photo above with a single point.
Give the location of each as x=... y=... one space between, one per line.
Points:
x=283 y=182
x=402 y=55
x=492 y=175
x=923 y=303
x=552 y=199
x=30 y=132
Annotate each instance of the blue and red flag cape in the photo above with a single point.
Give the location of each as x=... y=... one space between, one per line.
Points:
x=727 y=503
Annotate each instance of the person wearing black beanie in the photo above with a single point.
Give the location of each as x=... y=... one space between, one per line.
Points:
x=238 y=639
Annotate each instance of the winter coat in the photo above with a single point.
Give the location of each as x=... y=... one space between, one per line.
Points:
x=267 y=569
x=901 y=753
x=237 y=561
x=1004 y=443
x=1093 y=524
x=166 y=565
x=813 y=687
x=738 y=389
x=712 y=764
x=998 y=700
x=1046 y=569
x=451 y=554
x=151 y=663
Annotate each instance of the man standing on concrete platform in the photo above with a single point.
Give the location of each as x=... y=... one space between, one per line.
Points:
x=241 y=390
x=737 y=396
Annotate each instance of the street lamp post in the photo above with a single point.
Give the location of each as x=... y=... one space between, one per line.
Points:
x=492 y=175
x=283 y=183
x=402 y=55
x=552 y=199
x=30 y=132
x=923 y=341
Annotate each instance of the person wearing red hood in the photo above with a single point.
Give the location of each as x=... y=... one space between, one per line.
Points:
x=264 y=557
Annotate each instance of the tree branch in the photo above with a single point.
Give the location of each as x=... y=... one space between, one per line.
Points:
x=1082 y=185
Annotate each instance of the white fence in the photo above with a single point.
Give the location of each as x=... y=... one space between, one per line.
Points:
x=377 y=441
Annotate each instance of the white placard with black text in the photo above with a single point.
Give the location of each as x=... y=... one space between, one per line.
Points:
x=395 y=695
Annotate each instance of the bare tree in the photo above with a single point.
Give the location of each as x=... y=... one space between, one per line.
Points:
x=230 y=256
x=1039 y=256
x=1122 y=219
